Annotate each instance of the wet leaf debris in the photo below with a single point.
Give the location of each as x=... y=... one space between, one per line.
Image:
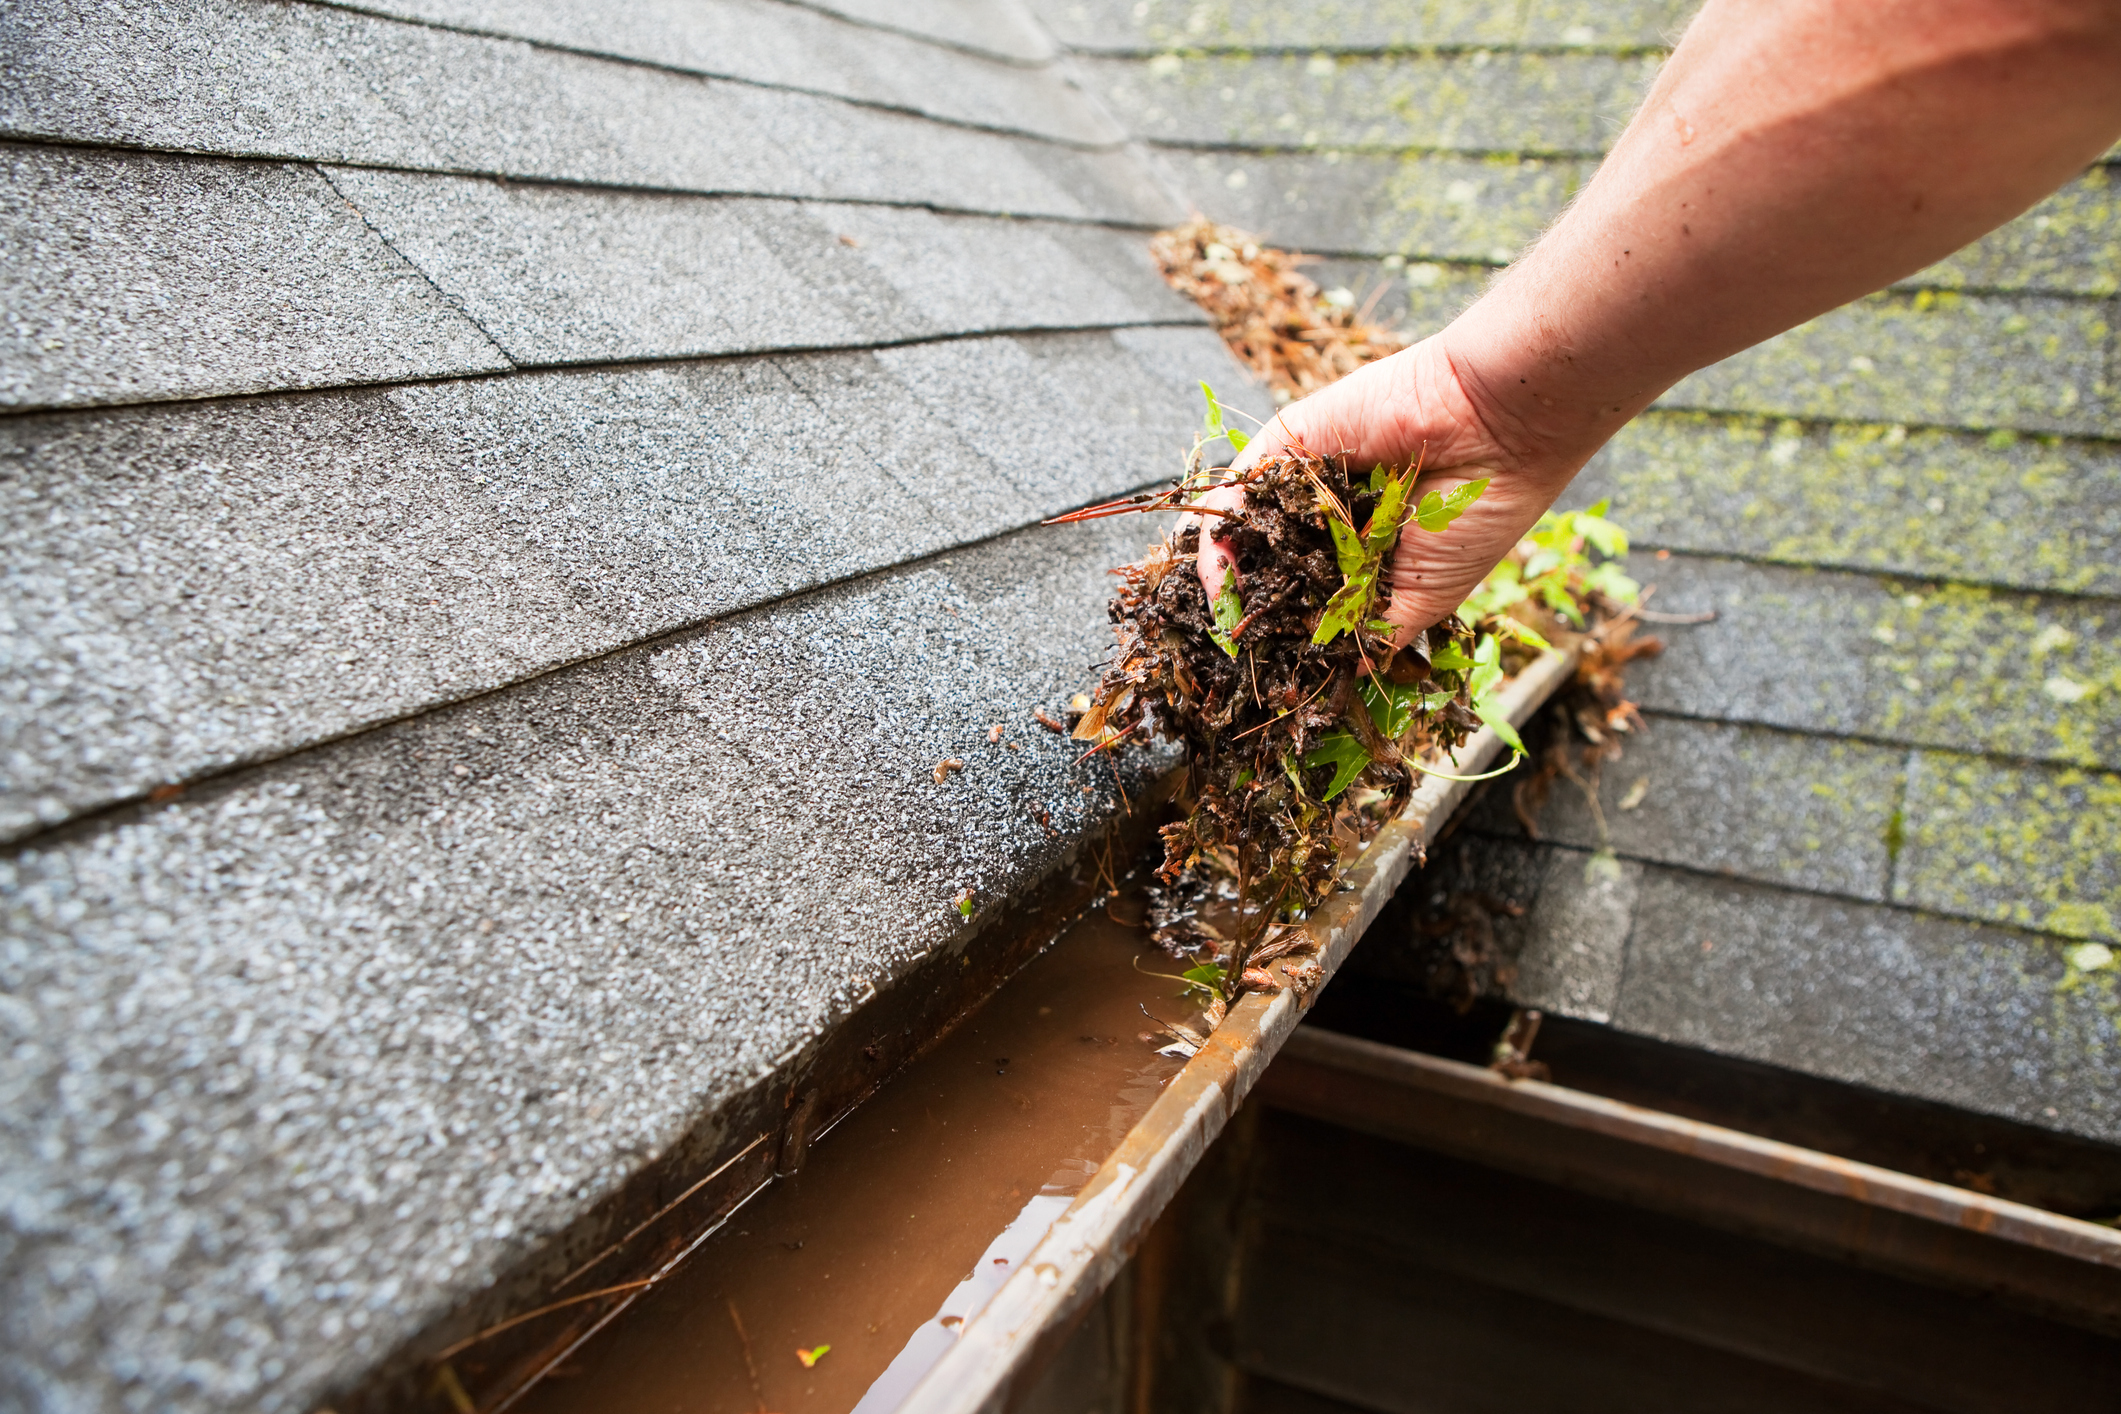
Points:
x=1302 y=725
x=1293 y=336
x=1286 y=693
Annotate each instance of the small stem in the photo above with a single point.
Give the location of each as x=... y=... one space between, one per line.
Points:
x=1515 y=758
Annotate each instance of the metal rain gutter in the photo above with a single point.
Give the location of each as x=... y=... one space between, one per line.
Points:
x=1090 y=1243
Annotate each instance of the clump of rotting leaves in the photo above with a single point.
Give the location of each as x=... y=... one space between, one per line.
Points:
x=1275 y=319
x=1296 y=715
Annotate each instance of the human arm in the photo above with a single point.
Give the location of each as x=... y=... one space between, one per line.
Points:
x=1789 y=157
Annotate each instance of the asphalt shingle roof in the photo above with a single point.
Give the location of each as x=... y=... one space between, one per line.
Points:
x=551 y=510
x=1904 y=728
x=456 y=439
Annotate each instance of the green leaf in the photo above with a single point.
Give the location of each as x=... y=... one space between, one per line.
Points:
x=1347 y=545
x=1378 y=477
x=1393 y=708
x=1529 y=637
x=1481 y=691
x=1450 y=659
x=1487 y=666
x=1206 y=977
x=1382 y=626
x=1347 y=606
x=1438 y=511
x=1501 y=589
x=1608 y=579
x=1229 y=613
x=1212 y=425
x=1604 y=536
x=1344 y=754
x=1390 y=516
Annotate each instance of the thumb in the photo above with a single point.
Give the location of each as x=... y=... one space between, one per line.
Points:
x=1217 y=563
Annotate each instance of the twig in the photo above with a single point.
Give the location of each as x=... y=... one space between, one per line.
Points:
x=751 y=1368
x=664 y=1211
x=1279 y=716
x=469 y=1341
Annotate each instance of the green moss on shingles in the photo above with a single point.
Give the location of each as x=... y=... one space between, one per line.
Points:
x=1479 y=102
x=2035 y=846
x=1424 y=207
x=1935 y=357
x=1373 y=24
x=2010 y=673
x=1487 y=210
x=2032 y=512
x=2068 y=244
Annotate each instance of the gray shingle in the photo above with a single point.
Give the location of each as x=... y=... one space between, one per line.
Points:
x=2035 y=846
x=1426 y=206
x=1743 y=801
x=131 y=278
x=791 y=47
x=1574 y=954
x=1095 y=25
x=304 y=81
x=999 y=27
x=2024 y=362
x=1415 y=298
x=273 y=1048
x=560 y=275
x=2068 y=244
x=1945 y=666
x=1880 y=997
x=2029 y=512
x=1438 y=206
x=1483 y=102
x=449 y=538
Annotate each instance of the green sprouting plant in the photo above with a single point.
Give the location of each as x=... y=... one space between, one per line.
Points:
x=1553 y=567
x=1393 y=708
x=1362 y=553
x=1204 y=981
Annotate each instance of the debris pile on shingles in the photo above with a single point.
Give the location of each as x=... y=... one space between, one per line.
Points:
x=1293 y=336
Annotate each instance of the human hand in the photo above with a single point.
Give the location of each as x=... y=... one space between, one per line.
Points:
x=1417 y=404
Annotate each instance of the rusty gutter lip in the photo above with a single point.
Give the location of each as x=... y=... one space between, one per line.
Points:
x=1328 y=1053
x=1090 y=1242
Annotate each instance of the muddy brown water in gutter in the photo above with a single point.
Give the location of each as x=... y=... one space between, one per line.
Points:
x=907 y=1214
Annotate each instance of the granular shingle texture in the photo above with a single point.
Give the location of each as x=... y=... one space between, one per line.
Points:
x=785 y=47
x=456 y=537
x=1486 y=101
x=560 y=739
x=364 y=1027
x=313 y=83
x=1915 y=502
x=470 y=717
x=560 y=275
x=1902 y=726
x=1774 y=806
x=133 y=278
x=1359 y=25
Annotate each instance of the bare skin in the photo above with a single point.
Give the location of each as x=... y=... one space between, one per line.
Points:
x=1792 y=155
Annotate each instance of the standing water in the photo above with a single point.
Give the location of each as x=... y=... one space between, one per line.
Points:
x=908 y=1214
